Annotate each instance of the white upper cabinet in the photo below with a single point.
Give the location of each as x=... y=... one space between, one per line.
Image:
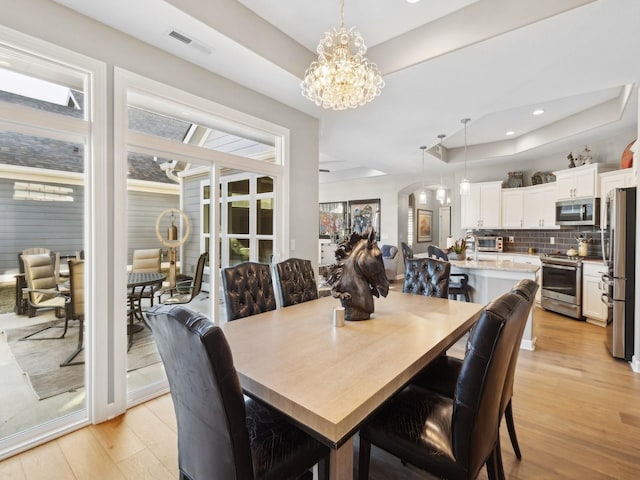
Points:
x=540 y=206
x=513 y=208
x=482 y=208
x=611 y=180
x=577 y=182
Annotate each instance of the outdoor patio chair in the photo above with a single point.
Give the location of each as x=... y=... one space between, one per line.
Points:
x=147 y=261
x=42 y=287
x=185 y=291
x=43 y=291
x=75 y=307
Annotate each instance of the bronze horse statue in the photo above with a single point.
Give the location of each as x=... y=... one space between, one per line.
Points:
x=358 y=275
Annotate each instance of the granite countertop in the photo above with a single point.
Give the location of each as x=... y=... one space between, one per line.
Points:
x=504 y=265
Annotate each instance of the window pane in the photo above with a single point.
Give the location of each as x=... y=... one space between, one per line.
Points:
x=265 y=185
x=157 y=125
x=238 y=250
x=205 y=219
x=265 y=216
x=238 y=217
x=241 y=187
x=26 y=90
x=265 y=250
x=206 y=193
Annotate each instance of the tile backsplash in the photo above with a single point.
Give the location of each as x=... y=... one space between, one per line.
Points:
x=540 y=240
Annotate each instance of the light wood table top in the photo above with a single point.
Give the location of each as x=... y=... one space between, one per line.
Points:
x=329 y=379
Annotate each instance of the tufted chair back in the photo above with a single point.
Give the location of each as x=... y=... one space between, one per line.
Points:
x=222 y=435
x=248 y=289
x=296 y=281
x=426 y=276
x=478 y=394
x=407 y=251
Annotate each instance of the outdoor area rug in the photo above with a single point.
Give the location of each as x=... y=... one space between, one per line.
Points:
x=40 y=359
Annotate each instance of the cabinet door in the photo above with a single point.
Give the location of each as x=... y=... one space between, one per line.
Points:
x=592 y=306
x=539 y=207
x=490 y=203
x=512 y=208
x=547 y=208
x=565 y=185
x=470 y=208
x=585 y=184
x=610 y=181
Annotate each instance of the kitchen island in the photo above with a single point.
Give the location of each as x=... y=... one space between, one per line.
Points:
x=491 y=278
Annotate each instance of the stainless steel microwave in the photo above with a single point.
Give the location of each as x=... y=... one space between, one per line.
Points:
x=578 y=211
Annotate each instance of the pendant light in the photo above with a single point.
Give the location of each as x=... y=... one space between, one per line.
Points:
x=465 y=185
x=441 y=194
x=423 y=194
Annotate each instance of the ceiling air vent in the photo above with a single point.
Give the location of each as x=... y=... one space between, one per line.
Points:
x=180 y=37
x=191 y=42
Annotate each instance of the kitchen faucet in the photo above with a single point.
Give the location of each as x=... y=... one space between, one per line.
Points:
x=474 y=239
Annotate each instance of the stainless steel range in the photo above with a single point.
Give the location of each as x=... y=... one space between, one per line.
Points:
x=562 y=285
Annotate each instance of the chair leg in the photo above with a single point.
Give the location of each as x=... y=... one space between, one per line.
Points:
x=323 y=469
x=491 y=465
x=363 y=459
x=466 y=296
x=511 y=427
x=498 y=459
x=68 y=362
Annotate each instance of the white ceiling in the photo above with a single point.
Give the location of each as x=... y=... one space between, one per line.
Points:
x=493 y=61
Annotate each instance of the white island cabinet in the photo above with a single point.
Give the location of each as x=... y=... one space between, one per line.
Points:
x=489 y=279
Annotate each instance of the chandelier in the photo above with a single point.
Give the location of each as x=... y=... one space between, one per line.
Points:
x=465 y=185
x=342 y=77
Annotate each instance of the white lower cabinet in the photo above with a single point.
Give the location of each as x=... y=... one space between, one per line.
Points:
x=592 y=289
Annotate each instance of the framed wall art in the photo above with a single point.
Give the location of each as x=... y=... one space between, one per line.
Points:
x=333 y=219
x=364 y=214
x=425 y=223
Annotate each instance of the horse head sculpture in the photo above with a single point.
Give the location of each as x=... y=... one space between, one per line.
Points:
x=358 y=275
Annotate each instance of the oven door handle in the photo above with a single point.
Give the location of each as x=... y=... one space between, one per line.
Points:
x=559 y=267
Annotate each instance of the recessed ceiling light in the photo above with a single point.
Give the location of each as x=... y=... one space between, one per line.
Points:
x=413 y=1
x=4 y=63
x=510 y=132
x=538 y=112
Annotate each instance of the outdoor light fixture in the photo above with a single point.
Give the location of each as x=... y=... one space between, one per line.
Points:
x=465 y=185
x=423 y=194
x=342 y=77
x=441 y=194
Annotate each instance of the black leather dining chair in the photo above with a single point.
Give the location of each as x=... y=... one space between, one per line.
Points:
x=442 y=374
x=221 y=433
x=407 y=251
x=296 y=281
x=248 y=289
x=453 y=437
x=458 y=282
x=426 y=276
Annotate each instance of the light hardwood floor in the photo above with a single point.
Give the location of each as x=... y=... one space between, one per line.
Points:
x=577 y=415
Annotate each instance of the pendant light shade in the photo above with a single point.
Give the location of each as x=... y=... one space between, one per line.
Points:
x=422 y=198
x=465 y=185
x=441 y=193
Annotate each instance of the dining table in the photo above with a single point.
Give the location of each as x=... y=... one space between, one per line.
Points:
x=329 y=379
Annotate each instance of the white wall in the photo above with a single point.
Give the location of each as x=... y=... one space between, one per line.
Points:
x=54 y=23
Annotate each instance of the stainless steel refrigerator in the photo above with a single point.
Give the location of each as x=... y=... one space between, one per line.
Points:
x=619 y=252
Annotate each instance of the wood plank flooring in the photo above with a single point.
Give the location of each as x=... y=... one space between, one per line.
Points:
x=577 y=415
